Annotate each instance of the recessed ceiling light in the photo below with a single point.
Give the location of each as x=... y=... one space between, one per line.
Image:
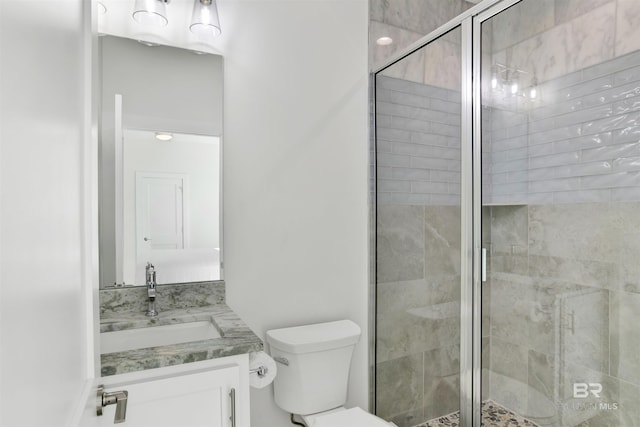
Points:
x=384 y=41
x=164 y=136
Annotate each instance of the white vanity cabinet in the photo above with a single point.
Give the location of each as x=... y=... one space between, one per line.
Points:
x=212 y=393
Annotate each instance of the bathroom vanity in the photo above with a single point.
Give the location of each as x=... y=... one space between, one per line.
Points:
x=160 y=192
x=187 y=366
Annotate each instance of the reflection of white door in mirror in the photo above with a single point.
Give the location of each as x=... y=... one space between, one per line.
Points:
x=161 y=212
x=171 y=206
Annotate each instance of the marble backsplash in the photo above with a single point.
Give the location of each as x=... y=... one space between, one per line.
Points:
x=168 y=297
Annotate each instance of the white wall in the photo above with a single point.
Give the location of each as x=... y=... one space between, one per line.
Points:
x=42 y=322
x=295 y=171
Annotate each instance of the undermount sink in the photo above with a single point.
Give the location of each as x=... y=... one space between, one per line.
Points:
x=153 y=336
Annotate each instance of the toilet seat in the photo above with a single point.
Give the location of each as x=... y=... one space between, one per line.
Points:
x=354 y=417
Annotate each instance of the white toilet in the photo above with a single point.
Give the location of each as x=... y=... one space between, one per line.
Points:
x=313 y=373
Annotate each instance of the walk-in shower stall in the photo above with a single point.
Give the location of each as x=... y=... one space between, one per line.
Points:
x=507 y=214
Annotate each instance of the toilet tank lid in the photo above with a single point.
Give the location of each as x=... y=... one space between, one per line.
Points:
x=315 y=337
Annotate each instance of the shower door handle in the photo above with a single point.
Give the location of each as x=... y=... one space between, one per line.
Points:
x=483 y=267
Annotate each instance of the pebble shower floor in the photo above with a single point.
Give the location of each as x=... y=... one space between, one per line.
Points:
x=493 y=415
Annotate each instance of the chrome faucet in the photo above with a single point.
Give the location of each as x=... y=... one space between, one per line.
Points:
x=150 y=273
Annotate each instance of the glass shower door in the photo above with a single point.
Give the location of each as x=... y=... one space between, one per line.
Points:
x=418 y=153
x=560 y=93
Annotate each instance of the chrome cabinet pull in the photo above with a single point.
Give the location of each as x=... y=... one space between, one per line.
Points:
x=232 y=394
x=119 y=398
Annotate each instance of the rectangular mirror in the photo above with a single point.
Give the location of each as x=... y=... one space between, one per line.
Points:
x=160 y=162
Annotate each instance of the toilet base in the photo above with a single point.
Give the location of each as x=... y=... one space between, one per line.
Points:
x=342 y=417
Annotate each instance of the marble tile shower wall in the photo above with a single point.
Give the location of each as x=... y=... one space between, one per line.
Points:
x=406 y=21
x=579 y=145
x=418 y=331
x=549 y=38
x=418 y=251
x=564 y=301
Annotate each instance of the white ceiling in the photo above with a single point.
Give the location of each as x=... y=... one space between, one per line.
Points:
x=117 y=21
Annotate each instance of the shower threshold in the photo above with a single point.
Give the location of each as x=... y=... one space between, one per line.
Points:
x=493 y=415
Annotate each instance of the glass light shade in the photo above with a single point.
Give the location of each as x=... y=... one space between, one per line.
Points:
x=205 y=23
x=150 y=12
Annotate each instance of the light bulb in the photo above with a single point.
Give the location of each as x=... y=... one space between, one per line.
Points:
x=205 y=23
x=494 y=83
x=514 y=88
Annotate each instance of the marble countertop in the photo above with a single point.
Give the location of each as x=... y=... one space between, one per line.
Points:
x=236 y=338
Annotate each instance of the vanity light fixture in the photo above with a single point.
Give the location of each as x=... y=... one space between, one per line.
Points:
x=533 y=89
x=164 y=136
x=509 y=81
x=384 y=41
x=151 y=12
x=205 y=22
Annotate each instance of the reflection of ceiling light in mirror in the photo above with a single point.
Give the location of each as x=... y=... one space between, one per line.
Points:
x=514 y=88
x=147 y=43
x=151 y=12
x=205 y=22
x=384 y=41
x=164 y=136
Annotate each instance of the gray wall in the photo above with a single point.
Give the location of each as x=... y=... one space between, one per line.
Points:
x=163 y=87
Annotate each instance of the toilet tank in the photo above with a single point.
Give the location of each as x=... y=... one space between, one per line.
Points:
x=313 y=365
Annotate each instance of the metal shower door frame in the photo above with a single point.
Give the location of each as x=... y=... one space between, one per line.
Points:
x=470 y=23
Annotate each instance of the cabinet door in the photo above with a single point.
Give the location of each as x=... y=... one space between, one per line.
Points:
x=192 y=400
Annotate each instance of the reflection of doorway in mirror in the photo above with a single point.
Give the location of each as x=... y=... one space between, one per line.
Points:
x=162 y=210
x=171 y=194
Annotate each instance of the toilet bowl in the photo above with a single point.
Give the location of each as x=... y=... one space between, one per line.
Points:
x=313 y=373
